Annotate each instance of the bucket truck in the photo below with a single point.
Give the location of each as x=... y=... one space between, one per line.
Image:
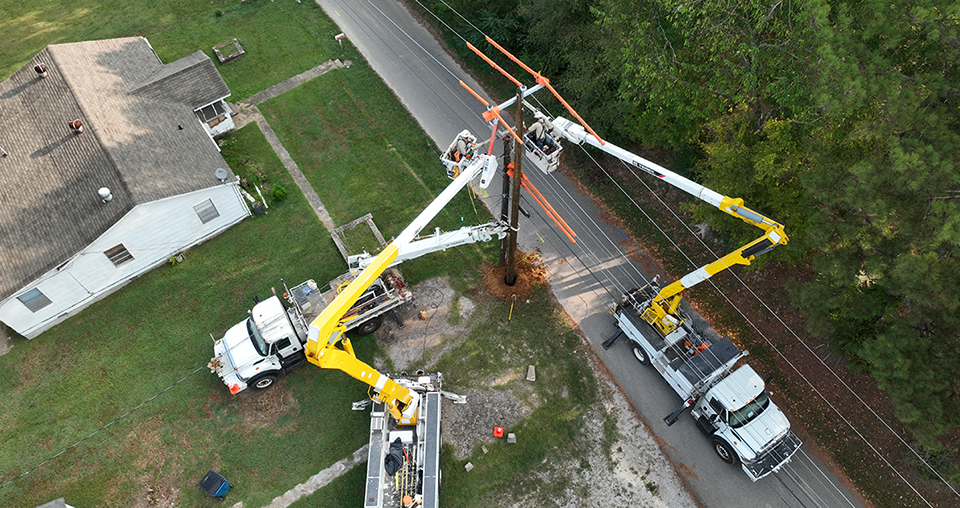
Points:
x=403 y=465
x=730 y=406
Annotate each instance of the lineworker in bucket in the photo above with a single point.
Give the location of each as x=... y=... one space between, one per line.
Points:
x=539 y=132
x=463 y=150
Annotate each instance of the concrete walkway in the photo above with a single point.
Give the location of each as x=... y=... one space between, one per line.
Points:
x=291 y=83
x=252 y=114
x=317 y=481
x=248 y=112
x=321 y=479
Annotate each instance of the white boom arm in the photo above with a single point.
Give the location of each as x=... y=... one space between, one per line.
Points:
x=773 y=232
x=576 y=133
x=443 y=241
x=326 y=331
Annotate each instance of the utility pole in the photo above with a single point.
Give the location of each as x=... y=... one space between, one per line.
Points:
x=511 y=276
x=505 y=199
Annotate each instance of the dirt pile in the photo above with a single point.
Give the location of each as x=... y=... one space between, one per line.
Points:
x=529 y=272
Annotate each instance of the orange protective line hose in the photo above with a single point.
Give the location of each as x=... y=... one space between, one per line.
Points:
x=547 y=208
x=546 y=83
x=494 y=65
x=547 y=205
x=485 y=103
x=509 y=129
x=493 y=136
x=554 y=216
x=510 y=56
x=575 y=115
x=494 y=110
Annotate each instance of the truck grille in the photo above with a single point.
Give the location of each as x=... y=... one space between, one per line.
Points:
x=775 y=458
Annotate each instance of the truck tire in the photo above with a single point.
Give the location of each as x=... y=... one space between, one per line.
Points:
x=369 y=326
x=640 y=354
x=725 y=451
x=262 y=382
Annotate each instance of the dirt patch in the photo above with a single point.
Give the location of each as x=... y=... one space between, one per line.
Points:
x=630 y=470
x=529 y=273
x=468 y=425
x=432 y=324
x=262 y=409
x=158 y=465
x=5 y=343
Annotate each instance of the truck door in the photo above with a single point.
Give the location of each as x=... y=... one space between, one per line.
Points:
x=720 y=411
x=290 y=352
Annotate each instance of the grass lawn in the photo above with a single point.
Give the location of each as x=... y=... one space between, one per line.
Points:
x=281 y=39
x=345 y=491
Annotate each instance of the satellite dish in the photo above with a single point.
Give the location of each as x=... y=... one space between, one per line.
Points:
x=105 y=194
x=221 y=174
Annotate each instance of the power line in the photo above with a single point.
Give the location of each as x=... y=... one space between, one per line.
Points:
x=614 y=281
x=597 y=228
x=765 y=338
x=94 y=433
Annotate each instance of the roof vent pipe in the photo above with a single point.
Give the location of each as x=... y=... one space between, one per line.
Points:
x=41 y=69
x=76 y=125
x=105 y=194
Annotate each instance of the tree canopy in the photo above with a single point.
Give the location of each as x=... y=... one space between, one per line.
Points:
x=839 y=119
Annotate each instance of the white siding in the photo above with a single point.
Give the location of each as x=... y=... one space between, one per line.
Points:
x=151 y=232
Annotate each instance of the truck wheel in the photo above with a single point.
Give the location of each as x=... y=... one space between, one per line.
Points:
x=640 y=355
x=725 y=451
x=263 y=382
x=369 y=326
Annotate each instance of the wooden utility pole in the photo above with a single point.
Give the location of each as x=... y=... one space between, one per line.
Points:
x=505 y=199
x=511 y=276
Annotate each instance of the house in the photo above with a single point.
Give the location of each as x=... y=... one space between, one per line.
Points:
x=108 y=167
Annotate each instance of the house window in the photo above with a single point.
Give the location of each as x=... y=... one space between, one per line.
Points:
x=207 y=211
x=119 y=255
x=211 y=112
x=34 y=300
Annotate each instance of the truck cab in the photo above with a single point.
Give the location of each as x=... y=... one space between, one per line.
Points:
x=745 y=426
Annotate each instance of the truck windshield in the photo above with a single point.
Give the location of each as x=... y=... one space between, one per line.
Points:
x=256 y=338
x=747 y=413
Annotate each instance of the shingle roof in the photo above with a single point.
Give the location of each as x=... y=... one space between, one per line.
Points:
x=193 y=79
x=141 y=140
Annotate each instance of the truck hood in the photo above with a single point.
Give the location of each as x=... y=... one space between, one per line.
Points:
x=762 y=432
x=238 y=346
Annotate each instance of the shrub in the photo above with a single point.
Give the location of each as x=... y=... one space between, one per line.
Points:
x=278 y=192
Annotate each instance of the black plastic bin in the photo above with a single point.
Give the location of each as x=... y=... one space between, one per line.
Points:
x=215 y=484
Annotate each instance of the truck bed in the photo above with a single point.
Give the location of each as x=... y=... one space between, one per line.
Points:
x=311 y=300
x=421 y=475
x=718 y=353
x=379 y=298
x=693 y=367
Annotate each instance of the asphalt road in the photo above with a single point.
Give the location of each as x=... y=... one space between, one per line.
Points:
x=589 y=276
